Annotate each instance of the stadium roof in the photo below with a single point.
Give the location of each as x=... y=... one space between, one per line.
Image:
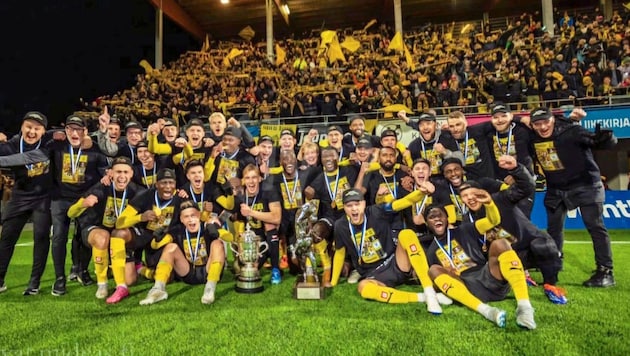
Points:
x=224 y=21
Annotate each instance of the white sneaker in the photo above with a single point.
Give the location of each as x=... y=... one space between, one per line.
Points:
x=525 y=317
x=354 y=277
x=3 y=288
x=497 y=316
x=433 y=306
x=208 y=295
x=443 y=299
x=155 y=295
x=101 y=292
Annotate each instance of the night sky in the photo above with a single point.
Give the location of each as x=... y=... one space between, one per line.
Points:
x=55 y=52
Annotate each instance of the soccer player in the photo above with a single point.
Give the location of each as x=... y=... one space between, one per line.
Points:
x=261 y=209
x=30 y=198
x=145 y=173
x=365 y=234
x=210 y=198
x=230 y=161
x=447 y=191
x=147 y=215
x=464 y=272
x=193 y=250
x=97 y=212
x=574 y=181
x=534 y=247
x=473 y=143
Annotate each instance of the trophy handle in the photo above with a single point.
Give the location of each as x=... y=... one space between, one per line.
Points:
x=266 y=247
x=233 y=250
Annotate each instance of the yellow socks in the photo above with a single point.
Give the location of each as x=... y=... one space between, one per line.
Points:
x=101 y=263
x=387 y=295
x=455 y=289
x=163 y=272
x=409 y=241
x=118 y=256
x=512 y=270
x=214 y=272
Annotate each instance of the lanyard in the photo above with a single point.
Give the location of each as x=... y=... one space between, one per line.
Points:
x=122 y=204
x=144 y=174
x=509 y=141
x=340 y=154
x=74 y=163
x=359 y=248
x=194 y=196
x=392 y=192
x=28 y=166
x=462 y=209
x=163 y=205
x=449 y=253
x=330 y=193
x=231 y=157
x=291 y=195
x=466 y=147
x=193 y=256
x=133 y=155
x=420 y=207
x=253 y=202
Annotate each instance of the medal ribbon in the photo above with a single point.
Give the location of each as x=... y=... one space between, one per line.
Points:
x=449 y=253
x=122 y=205
x=193 y=256
x=359 y=248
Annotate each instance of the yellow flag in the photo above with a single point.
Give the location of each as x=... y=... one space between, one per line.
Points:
x=351 y=44
x=327 y=37
x=148 y=69
x=335 y=53
x=206 y=45
x=396 y=44
x=281 y=55
x=247 y=33
x=409 y=59
x=234 y=52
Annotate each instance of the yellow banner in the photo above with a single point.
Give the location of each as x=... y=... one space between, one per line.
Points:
x=274 y=131
x=281 y=55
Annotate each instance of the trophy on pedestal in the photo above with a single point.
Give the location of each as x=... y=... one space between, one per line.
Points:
x=247 y=249
x=308 y=284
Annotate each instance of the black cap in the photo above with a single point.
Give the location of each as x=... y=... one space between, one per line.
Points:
x=133 y=125
x=286 y=132
x=166 y=173
x=364 y=142
x=169 y=122
x=356 y=117
x=122 y=160
x=142 y=144
x=469 y=184
x=448 y=161
x=75 y=120
x=427 y=117
x=499 y=107
x=233 y=131
x=265 y=138
x=540 y=114
x=194 y=122
x=37 y=117
x=388 y=133
x=332 y=128
x=351 y=195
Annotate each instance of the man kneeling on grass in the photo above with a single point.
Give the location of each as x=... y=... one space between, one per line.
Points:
x=366 y=233
x=471 y=274
x=195 y=252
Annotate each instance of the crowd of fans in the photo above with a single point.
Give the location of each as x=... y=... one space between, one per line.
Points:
x=465 y=68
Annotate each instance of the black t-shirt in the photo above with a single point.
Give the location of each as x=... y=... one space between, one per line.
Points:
x=476 y=151
x=149 y=200
x=110 y=205
x=420 y=148
x=375 y=245
x=459 y=249
x=194 y=245
x=515 y=143
x=329 y=187
x=33 y=180
x=231 y=166
x=259 y=202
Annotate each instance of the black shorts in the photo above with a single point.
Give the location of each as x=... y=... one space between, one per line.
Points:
x=389 y=273
x=196 y=275
x=484 y=286
x=85 y=232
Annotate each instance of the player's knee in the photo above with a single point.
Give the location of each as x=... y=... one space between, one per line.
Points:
x=406 y=237
x=544 y=248
x=216 y=248
x=99 y=239
x=171 y=248
x=499 y=246
x=361 y=285
x=435 y=270
x=124 y=234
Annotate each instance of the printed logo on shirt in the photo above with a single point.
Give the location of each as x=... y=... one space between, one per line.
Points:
x=472 y=152
x=109 y=217
x=78 y=175
x=499 y=148
x=296 y=199
x=202 y=254
x=547 y=155
x=460 y=260
x=435 y=158
x=341 y=187
x=38 y=169
x=163 y=220
x=228 y=169
x=372 y=250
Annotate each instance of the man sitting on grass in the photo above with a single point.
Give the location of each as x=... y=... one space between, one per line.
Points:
x=461 y=268
x=366 y=233
x=193 y=250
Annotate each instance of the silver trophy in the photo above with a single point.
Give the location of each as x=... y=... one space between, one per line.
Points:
x=247 y=248
x=307 y=286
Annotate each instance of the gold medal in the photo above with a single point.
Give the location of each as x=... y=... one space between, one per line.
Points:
x=484 y=248
x=157 y=211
